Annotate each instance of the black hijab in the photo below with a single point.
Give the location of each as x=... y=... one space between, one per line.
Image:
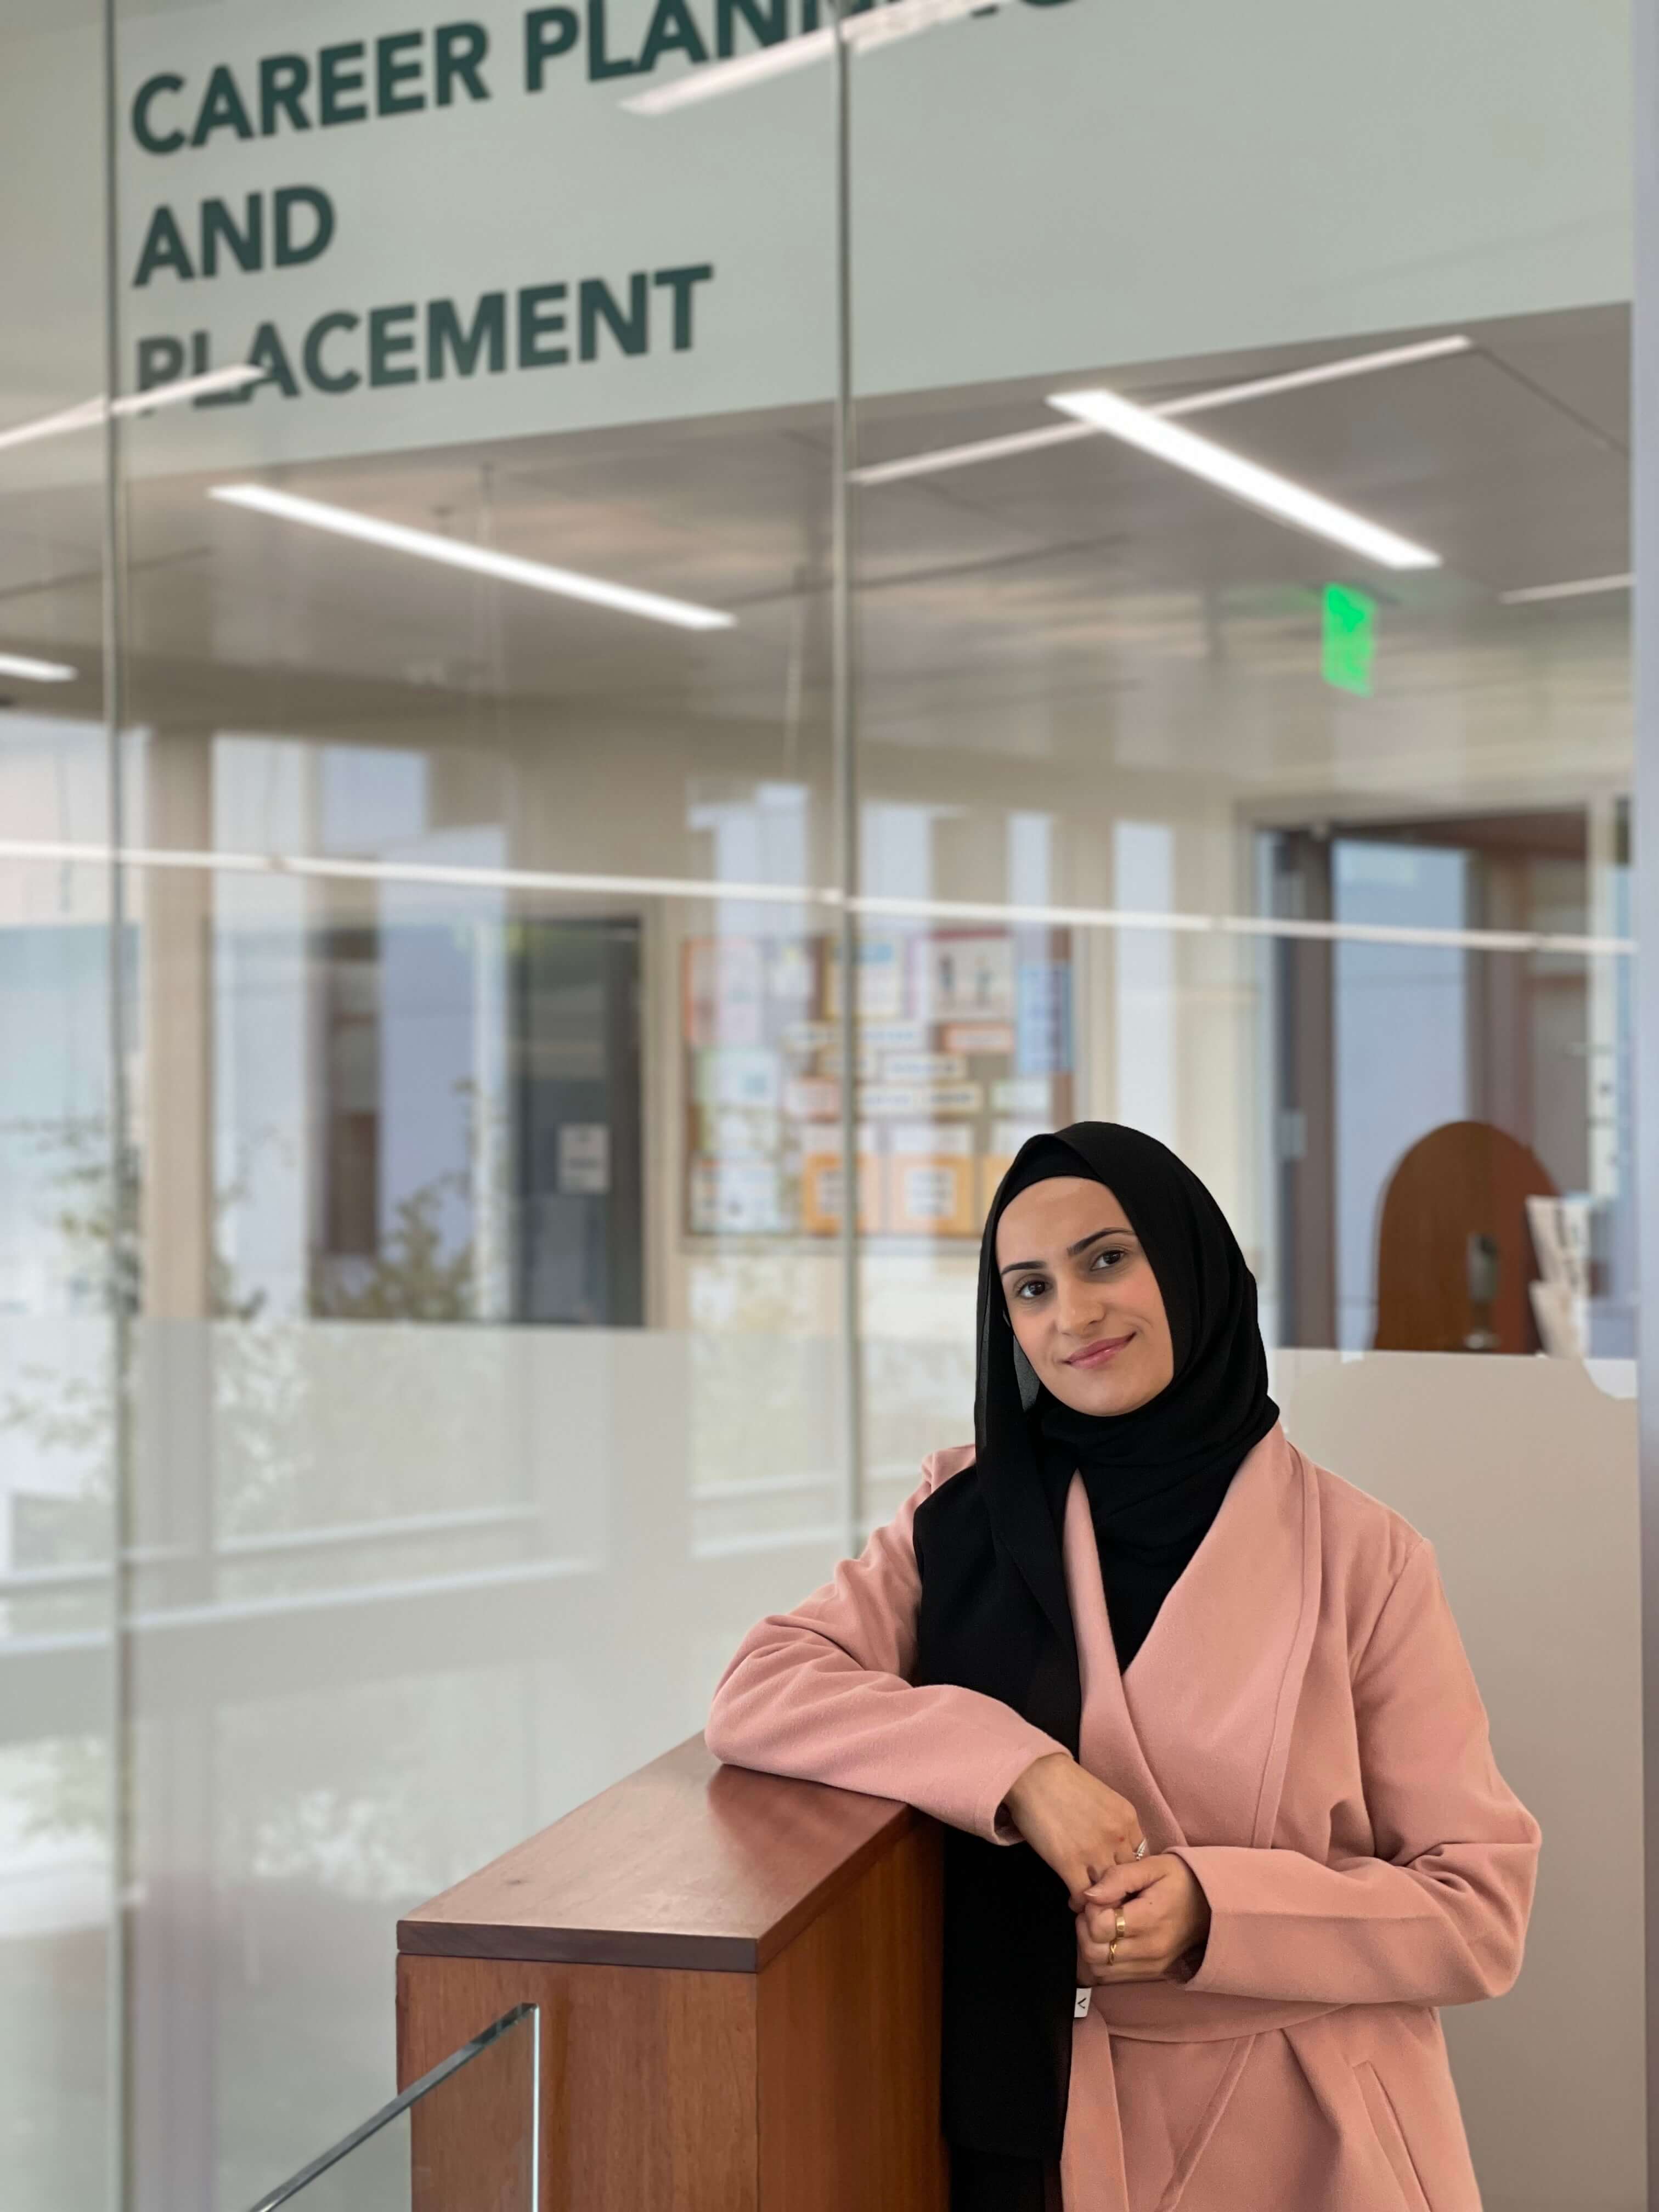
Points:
x=1155 y=1477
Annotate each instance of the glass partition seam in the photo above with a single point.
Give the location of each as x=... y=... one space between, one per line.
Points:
x=118 y=2170
x=535 y=2107
x=1644 y=522
x=845 y=771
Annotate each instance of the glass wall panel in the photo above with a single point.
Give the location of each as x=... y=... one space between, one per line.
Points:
x=1297 y=838
x=479 y=632
x=458 y=962
x=58 y=1988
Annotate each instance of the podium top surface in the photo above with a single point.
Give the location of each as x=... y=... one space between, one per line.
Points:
x=686 y=1864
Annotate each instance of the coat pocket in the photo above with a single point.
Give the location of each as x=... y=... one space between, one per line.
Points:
x=1391 y=2141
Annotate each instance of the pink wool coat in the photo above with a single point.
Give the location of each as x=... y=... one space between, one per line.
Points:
x=1302 y=1728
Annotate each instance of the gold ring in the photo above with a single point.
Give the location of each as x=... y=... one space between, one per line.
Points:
x=1122 y=1928
x=1111 y=1952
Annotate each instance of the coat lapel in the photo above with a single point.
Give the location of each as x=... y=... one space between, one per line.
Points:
x=1198 y=1733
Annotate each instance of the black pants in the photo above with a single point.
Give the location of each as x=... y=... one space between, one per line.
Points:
x=983 y=2181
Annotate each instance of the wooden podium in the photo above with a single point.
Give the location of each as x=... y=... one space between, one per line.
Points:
x=738 y=1979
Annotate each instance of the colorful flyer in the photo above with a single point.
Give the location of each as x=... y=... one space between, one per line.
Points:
x=931 y=1197
x=735 y=1198
x=881 y=978
x=923 y=1067
x=969 y=1038
x=811 y=1098
x=965 y=975
x=1044 y=1023
x=737 y=1076
x=721 y=991
x=821 y=1181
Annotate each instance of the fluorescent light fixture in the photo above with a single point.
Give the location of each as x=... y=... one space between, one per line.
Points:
x=1245 y=480
x=1224 y=395
x=877 y=26
x=35 y=672
x=1582 y=587
x=188 y=388
x=1324 y=372
x=91 y=412
x=960 y=457
x=426 y=545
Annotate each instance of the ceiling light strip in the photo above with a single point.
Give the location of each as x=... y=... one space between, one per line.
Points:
x=1242 y=479
x=1581 y=588
x=480 y=560
x=876 y=27
x=960 y=457
x=1224 y=395
x=91 y=412
x=1324 y=372
x=31 y=671
x=700 y=889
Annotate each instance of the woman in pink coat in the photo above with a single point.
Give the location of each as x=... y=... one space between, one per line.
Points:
x=1223 y=1828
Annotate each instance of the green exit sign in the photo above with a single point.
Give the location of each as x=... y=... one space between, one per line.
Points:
x=1350 y=639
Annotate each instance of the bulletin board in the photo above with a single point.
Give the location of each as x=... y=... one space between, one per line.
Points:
x=964 y=1049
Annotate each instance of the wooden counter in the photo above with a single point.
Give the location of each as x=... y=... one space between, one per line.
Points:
x=738 y=1981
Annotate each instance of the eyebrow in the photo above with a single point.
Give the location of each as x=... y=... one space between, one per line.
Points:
x=1072 y=1250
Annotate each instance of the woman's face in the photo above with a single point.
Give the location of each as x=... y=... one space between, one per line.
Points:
x=1082 y=1297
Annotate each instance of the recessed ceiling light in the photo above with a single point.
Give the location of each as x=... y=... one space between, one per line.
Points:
x=454 y=553
x=35 y=672
x=1245 y=480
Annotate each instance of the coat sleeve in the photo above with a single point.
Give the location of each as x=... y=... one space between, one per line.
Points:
x=1438 y=1916
x=823 y=1694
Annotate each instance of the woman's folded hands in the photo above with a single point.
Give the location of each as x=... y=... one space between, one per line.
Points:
x=1138 y=1919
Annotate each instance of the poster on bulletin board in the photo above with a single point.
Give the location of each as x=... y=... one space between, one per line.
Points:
x=963 y=1046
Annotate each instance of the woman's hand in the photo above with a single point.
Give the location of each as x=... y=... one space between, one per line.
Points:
x=1164 y=1915
x=1080 y=1826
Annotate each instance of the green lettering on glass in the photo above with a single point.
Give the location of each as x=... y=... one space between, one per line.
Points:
x=386 y=343
x=769 y=25
x=672 y=31
x=246 y=245
x=317 y=374
x=459 y=49
x=222 y=110
x=154 y=141
x=292 y=250
x=680 y=282
x=597 y=304
x=161 y=361
x=336 y=77
x=599 y=64
x=282 y=81
x=444 y=333
x=393 y=68
x=164 y=247
x=537 y=319
x=547 y=33
x=266 y=353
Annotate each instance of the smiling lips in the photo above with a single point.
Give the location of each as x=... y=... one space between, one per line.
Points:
x=1096 y=1355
